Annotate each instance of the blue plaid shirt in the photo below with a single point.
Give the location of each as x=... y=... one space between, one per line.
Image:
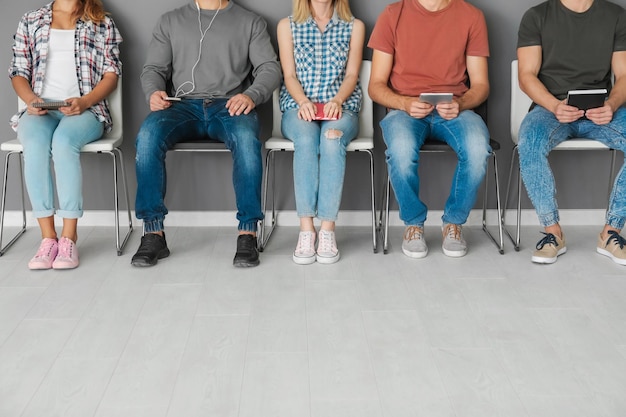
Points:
x=96 y=47
x=321 y=60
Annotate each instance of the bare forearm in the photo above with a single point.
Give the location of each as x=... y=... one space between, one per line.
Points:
x=23 y=89
x=386 y=97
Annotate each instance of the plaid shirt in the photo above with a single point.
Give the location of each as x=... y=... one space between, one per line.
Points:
x=96 y=49
x=321 y=60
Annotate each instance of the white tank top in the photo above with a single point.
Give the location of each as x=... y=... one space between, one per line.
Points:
x=60 y=80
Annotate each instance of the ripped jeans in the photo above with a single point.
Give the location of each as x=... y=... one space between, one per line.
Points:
x=319 y=161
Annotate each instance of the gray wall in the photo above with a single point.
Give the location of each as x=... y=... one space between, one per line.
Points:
x=202 y=182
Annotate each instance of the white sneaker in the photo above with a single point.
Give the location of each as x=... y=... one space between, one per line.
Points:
x=327 y=252
x=305 y=250
x=413 y=242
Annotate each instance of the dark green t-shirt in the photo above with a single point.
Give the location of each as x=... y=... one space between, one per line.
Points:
x=576 y=47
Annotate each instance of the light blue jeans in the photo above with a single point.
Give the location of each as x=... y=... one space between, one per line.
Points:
x=404 y=135
x=61 y=138
x=319 y=161
x=539 y=133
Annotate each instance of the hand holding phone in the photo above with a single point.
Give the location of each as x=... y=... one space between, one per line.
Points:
x=319 y=112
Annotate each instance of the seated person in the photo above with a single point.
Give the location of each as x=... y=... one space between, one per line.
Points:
x=452 y=53
x=320 y=145
x=217 y=101
x=570 y=45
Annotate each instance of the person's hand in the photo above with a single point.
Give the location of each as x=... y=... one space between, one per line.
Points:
x=239 y=104
x=158 y=102
x=418 y=109
x=306 y=111
x=448 y=111
x=36 y=111
x=600 y=115
x=332 y=109
x=76 y=106
x=565 y=113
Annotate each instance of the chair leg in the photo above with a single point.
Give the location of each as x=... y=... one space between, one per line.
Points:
x=373 y=201
x=499 y=243
x=383 y=220
x=516 y=240
x=3 y=249
x=120 y=244
x=266 y=231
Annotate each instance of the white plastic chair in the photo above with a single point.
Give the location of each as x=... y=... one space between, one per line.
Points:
x=364 y=142
x=520 y=104
x=110 y=144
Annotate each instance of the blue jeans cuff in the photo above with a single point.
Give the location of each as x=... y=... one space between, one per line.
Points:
x=615 y=221
x=548 y=219
x=248 y=227
x=153 y=226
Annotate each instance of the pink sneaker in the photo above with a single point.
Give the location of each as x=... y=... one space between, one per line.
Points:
x=45 y=255
x=68 y=255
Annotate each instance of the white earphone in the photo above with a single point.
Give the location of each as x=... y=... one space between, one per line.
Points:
x=180 y=91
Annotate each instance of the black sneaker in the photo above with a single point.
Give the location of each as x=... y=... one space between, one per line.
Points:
x=247 y=252
x=152 y=248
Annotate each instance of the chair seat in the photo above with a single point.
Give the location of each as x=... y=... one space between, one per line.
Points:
x=581 y=144
x=206 y=145
x=100 y=145
x=358 y=144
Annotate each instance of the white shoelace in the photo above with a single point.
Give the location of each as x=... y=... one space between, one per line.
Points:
x=327 y=242
x=306 y=243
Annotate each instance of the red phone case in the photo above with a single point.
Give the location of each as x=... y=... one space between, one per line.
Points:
x=319 y=112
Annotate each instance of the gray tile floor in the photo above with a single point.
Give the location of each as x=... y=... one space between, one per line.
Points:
x=374 y=335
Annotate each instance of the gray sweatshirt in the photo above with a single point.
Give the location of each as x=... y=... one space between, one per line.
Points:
x=236 y=45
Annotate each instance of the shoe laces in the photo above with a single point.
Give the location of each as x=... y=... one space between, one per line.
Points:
x=305 y=241
x=548 y=239
x=453 y=231
x=413 y=233
x=327 y=242
x=45 y=249
x=617 y=238
x=66 y=248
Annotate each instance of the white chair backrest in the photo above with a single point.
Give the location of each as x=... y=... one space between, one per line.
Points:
x=115 y=107
x=520 y=103
x=366 y=126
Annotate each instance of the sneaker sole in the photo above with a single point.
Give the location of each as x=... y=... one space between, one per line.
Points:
x=39 y=267
x=453 y=253
x=326 y=261
x=415 y=255
x=610 y=255
x=303 y=261
x=540 y=260
x=246 y=264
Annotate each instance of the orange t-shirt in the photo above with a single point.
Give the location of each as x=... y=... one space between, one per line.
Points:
x=430 y=48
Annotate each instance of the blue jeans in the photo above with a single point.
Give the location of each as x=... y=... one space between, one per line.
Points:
x=319 y=161
x=539 y=133
x=61 y=138
x=198 y=119
x=404 y=135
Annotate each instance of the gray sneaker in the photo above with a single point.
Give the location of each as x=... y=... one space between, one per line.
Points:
x=413 y=242
x=453 y=243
